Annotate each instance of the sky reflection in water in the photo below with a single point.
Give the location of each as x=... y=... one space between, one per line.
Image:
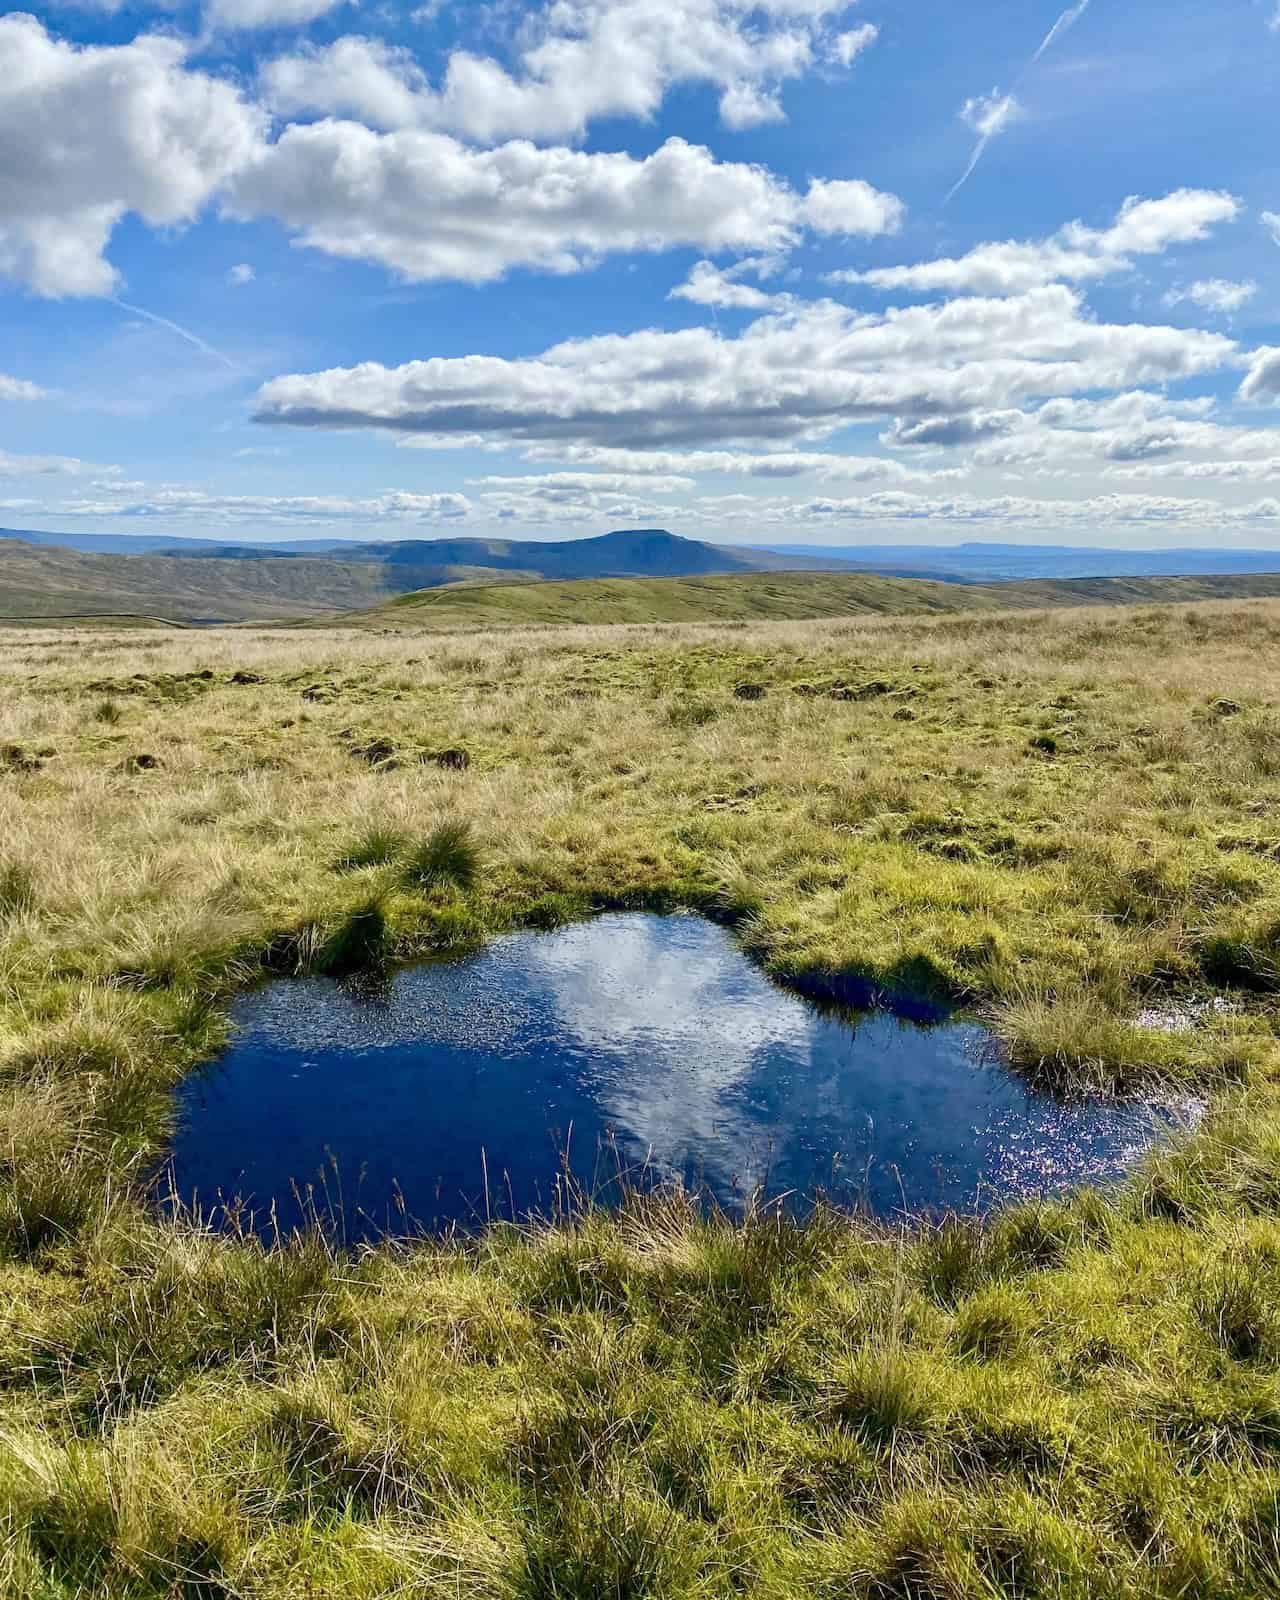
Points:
x=635 y=1039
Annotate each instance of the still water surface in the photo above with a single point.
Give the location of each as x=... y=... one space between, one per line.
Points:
x=646 y=1043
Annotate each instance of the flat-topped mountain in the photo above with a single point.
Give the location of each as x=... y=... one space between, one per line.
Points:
x=231 y=583
x=626 y=553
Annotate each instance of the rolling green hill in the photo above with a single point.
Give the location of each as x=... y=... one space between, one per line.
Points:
x=794 y=596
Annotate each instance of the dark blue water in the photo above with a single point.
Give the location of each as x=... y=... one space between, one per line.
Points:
x=645 y=1044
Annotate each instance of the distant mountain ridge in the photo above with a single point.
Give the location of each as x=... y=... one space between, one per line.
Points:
x=604 y=556
x=205 y=581
x=626 y=553
x=228 y=583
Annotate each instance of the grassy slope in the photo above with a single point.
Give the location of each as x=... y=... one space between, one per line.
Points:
x=1065 y=816
x=39 y=582
x=772 y=596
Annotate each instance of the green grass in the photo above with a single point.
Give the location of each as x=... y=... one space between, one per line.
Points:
x=1076 y=1398
x=377 y=846
x=773 y=596
x=448 y=856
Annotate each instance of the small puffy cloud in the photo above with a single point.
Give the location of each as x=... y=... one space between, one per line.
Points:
x=708 y=285
x=750 y=105
x=233 y=15
x=849 y=206
x=378 y=83
x=1262 y=381
x=240 y=274
x=846 y=47
x=1075 y=254
x=1271 y=222
x=947 y=432
x=173 y=503
x=990 y=115
x=567 y=485
x=12 y=466
x=1214 y=294
x=19 y=389
x=1022 y=511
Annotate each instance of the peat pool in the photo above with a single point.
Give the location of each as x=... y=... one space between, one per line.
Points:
x=460 y=1092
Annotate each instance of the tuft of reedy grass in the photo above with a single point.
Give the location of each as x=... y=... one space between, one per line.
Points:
x=449 y=856
x=17 y=888
x=358 y=942
x=107 y=711
x=1237 y=1303
x=881 y=1395
x=377 y=846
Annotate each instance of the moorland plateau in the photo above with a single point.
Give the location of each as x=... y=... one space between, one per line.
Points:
x=1066 y=821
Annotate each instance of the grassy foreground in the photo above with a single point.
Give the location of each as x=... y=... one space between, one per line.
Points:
x=1064 y=819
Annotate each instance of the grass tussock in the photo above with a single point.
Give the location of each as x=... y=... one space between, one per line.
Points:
x=377 y=846
x=1065 y=820
x=449 y=857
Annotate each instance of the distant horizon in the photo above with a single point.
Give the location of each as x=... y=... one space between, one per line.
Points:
x=785 y=546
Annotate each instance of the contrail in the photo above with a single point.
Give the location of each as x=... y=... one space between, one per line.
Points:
x=1068 y=19
x=990 y=115
x=987 y=115
x=182 y=333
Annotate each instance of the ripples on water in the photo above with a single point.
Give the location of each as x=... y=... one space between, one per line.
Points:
x=635 y=1042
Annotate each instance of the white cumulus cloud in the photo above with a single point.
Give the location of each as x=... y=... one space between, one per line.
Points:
x=139 y=131
x=247 y=14
x=792 y=374
x=19 y=389
x=1075 y=254
x=12 y=466
x=428 y=206
x=576 y=61
x=1263 y=379
x=90 y=133
x=1214 y=294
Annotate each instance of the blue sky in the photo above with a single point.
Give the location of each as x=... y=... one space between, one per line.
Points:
x=799 y=271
